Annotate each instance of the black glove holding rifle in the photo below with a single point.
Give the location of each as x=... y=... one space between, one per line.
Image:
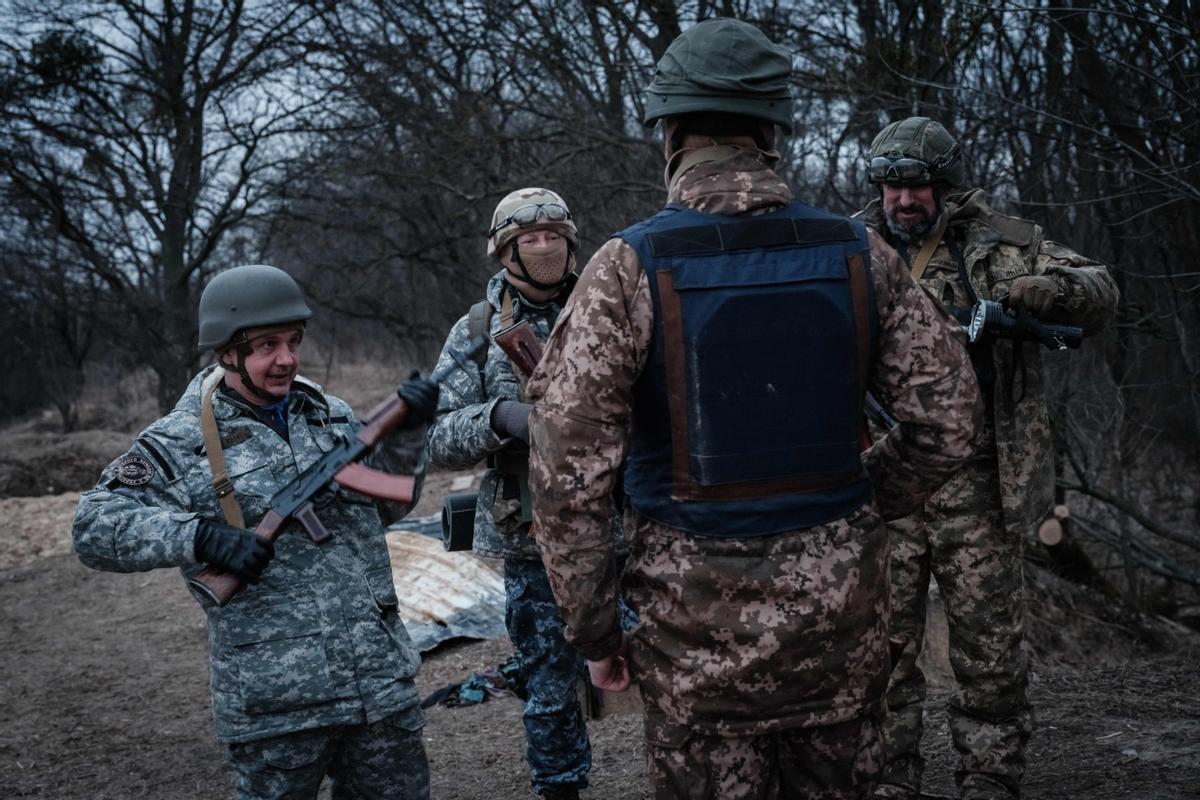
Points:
x=232 y=558
x=421 y=396
x=235 y=550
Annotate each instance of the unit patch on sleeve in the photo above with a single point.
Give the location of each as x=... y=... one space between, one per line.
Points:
x=134 y=471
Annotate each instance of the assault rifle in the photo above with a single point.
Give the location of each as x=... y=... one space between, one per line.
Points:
x=985 y=322
x=340 y=465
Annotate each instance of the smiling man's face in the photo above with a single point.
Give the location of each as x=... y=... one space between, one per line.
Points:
x=272 y=363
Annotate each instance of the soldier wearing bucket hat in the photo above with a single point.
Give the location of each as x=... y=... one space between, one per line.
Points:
x=721 y=349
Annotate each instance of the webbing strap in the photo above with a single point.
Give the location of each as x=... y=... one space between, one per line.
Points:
x=478 y=321
x=216 y=454
x=506 y=308
x=922 y=260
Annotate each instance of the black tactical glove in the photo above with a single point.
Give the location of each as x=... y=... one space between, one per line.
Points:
x=240 y=551
x=421 y=397
x=511 y=418
x=1033 y=294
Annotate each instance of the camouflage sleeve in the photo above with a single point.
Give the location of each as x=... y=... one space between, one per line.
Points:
x=582 y=391
x=462 y=436
x=138 y=516
x=1088 y=295
x=922 y=368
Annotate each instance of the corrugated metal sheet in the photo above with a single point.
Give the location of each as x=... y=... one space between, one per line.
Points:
x=443 y=595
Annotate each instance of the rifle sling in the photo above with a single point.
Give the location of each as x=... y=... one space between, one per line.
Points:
x=922 y=260
x=216 y=454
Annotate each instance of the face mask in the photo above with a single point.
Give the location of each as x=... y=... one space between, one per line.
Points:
x=542 y=266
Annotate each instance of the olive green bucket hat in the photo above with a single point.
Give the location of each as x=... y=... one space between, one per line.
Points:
x=722 y=65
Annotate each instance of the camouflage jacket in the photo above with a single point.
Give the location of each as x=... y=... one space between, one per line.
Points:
x=462 y=436
x=318 y=641
x=996 y=250
x=744 y=635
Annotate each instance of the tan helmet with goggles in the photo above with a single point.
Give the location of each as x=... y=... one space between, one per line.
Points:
x=529 y=208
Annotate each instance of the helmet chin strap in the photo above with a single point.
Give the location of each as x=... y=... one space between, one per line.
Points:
x=243 y=350
x=532 y=281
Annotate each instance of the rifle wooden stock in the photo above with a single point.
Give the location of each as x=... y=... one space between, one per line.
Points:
x=220 y=585
x=521 y=345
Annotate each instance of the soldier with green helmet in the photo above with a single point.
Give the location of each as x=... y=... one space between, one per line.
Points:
x=721 y=350
x=484 y=415
x=968 y=536
x=311 y=667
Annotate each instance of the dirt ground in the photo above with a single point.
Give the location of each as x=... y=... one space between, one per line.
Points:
x=105 y=692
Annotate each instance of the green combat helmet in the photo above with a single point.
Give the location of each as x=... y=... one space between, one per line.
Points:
x=251 y=296
x=529 y=208
x=722 y=65
x=914 y=151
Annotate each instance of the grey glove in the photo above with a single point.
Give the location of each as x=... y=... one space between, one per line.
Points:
x=511 y=418
x=240 y=551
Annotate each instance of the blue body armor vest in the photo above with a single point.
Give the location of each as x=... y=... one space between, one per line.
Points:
x=747 y=419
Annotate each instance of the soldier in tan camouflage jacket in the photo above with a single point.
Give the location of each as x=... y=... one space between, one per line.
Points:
x=968 y=537
x=762 y=656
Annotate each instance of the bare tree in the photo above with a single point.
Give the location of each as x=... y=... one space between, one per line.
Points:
x=143 y=134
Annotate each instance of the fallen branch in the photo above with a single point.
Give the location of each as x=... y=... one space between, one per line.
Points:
x=1136 y=514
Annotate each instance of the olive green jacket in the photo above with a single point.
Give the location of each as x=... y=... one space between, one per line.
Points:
x=997 y=249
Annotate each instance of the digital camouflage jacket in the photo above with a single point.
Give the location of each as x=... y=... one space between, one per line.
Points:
x=738 y=636
x=318 y=641
x=996 y=250
x=462 y=436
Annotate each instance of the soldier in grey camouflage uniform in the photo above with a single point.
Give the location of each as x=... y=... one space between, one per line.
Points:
x=762 y=654
x=484 y=414
x=968 y=537
x=311 y=667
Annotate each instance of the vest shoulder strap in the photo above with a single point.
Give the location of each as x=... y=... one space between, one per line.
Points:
x=479 y=318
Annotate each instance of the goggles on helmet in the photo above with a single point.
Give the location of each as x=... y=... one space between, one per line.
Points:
x=909 y=170
x=528 y=215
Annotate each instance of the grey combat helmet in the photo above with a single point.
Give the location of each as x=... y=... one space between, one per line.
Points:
x=915 y=150
x=722 y=65
x=250 y=296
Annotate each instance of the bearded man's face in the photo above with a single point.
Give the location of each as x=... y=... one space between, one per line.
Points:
x=910 y=211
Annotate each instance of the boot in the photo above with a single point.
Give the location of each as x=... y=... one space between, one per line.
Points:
x=559 y=793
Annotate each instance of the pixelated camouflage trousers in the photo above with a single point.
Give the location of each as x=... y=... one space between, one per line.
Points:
x=832 y=762
x=959 y=540
x=382 y=761
x=556 y=740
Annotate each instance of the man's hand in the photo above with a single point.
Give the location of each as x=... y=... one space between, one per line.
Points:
x=611 y=673
x=237 y=550
x=421 y=397
x=1033 y=294
x=511 y=418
